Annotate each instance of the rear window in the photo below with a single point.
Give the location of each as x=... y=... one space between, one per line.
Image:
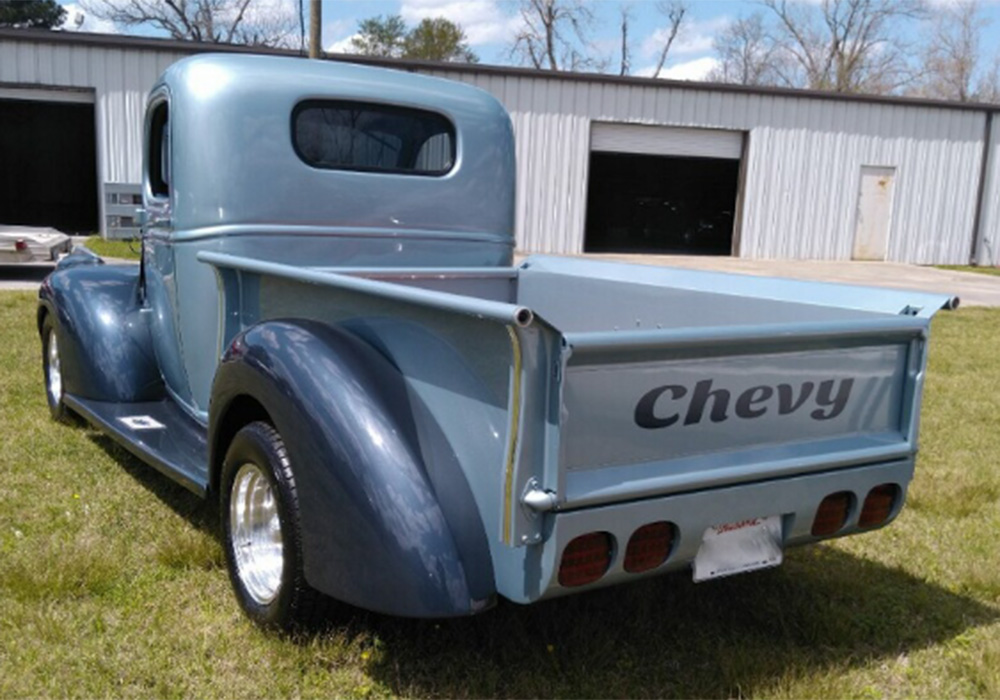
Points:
x=345 y=135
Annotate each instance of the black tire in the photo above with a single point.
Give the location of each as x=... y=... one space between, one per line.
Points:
x=54 y=379
x=279 y=598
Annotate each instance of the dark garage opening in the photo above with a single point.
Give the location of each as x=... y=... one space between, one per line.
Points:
x=660 y=204
x=48 y=170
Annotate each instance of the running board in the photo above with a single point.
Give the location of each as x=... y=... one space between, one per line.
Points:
x=157 y=432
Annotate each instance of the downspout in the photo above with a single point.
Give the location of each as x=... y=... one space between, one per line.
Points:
x=985 y=175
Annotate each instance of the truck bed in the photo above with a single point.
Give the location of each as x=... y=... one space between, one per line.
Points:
x=589 y=296
x=613 y=331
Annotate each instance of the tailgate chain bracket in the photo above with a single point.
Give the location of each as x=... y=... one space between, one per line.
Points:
x=538 y=500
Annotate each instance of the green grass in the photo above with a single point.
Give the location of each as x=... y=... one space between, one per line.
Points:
x=980 y=269
x=112 y=584
x=128 y=250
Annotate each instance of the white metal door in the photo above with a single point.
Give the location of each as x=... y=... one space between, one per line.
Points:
x=871 y=235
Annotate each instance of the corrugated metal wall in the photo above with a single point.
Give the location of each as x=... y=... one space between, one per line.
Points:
x=804 y=154
x=121 y=79
x=989 y=250
x=802 y=172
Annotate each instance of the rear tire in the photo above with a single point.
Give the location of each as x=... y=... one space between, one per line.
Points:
x=52 y=369
x=262 y=536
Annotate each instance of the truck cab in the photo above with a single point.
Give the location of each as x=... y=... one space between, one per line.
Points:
x=324 y=165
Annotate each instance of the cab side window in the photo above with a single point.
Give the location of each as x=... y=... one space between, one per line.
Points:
x=159 y=151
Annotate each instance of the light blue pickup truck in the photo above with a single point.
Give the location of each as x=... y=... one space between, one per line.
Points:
x=327 y=337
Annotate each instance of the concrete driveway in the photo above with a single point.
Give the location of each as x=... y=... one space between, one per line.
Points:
x=972 y=288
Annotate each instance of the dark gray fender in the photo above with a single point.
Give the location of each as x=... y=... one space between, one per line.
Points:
x=380 y=530
x=104 y=342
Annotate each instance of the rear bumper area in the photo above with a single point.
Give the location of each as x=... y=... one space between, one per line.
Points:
x=795 y=499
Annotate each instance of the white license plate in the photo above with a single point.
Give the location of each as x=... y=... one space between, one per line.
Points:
x=733 y=548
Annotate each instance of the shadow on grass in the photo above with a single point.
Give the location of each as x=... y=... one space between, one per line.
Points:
x=201 y=513
x=662 y=637
x=670 y=637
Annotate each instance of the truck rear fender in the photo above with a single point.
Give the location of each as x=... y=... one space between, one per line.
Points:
x=104 y=341
x=380 y=529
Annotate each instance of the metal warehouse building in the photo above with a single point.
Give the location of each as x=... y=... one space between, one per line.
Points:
x=605 y=164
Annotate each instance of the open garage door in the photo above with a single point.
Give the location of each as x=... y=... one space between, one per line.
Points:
x=48 y=172
x=664 y=190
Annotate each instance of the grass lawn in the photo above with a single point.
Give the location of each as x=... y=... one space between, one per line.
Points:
x=112 y=583
x=981 y=269
x=127 y=250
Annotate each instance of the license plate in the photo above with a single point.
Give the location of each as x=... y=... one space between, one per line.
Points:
x=733 y=548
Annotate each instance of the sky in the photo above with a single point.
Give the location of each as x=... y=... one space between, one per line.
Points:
x=490 y=25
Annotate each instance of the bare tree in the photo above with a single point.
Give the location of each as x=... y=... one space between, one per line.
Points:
x=845 y=45
x=989 y=84
x=952 y=60
x=747 y=54
x=216 y=21
x=555 y=35
x=625 y=15
x=674 y=11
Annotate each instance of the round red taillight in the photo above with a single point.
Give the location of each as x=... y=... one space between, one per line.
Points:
x=878 y=505
x=648 y=547
x=585 y=559
x=832 y=514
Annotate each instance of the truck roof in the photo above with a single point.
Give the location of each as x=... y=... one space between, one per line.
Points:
x=234 y=158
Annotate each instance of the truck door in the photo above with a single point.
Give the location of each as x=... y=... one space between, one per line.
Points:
x=158 y=248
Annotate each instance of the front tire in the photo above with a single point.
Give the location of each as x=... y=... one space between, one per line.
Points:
x=262 y=536
x=52 y=369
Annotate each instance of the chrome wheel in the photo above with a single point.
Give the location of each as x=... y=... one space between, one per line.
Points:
x=54 y=374
x=255 y=527
x=261 y=534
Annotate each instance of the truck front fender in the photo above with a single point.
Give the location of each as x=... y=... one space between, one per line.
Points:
x=104 y=342
x=380 y=530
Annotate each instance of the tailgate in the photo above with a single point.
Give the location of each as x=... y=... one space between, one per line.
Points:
x=657 y=412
